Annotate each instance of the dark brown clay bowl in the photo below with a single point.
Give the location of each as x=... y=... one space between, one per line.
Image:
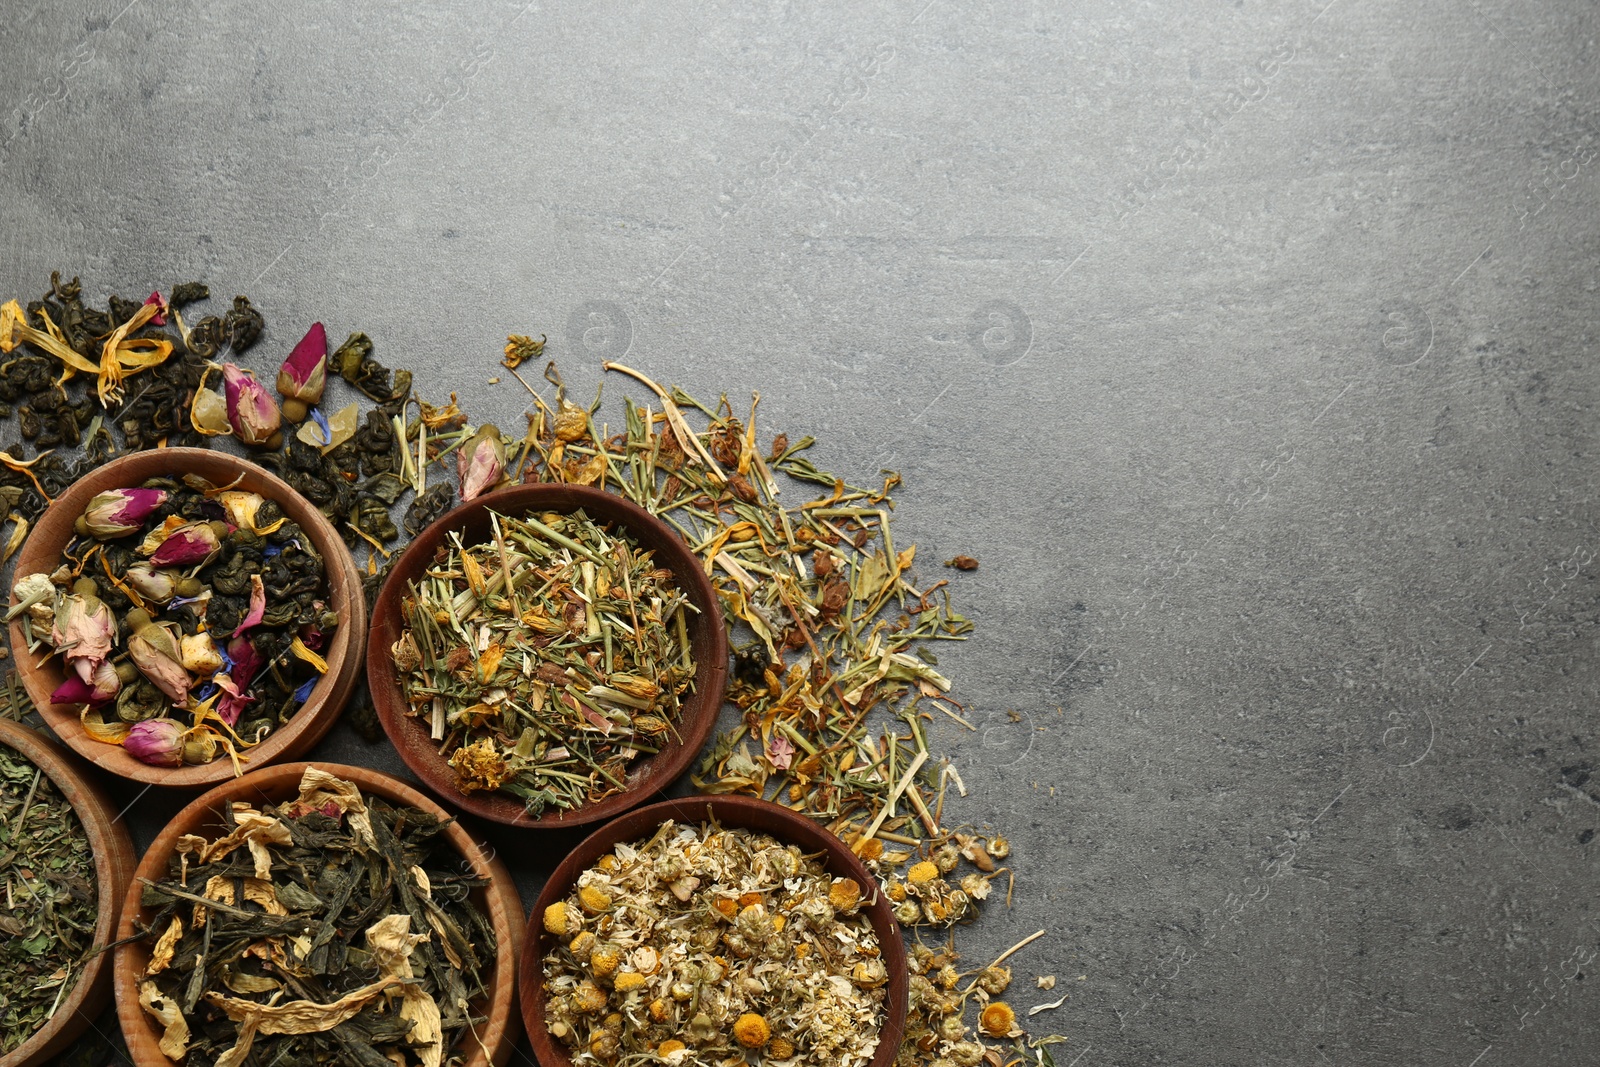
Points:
x=728 y=811
x=275 y=785
x=42 y=552
x=648 y=775
x=113 y=853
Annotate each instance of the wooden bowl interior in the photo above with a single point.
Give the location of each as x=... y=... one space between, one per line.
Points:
x=707 y=635
x=275 y=785
x=42 y=552
x=728 y=811
x=113 y=853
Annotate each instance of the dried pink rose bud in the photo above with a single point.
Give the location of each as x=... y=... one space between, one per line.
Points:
x=192 y=543
x=158 y=742
x=304 y=373
x=252 y=412
x=155 y=652
x=100 y=688
x=159 y=318
x=152 y=582
x=118 y=512
x=480 y=462
x=83 y=632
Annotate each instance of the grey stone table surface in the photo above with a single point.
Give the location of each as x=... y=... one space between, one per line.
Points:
x=1250 y=345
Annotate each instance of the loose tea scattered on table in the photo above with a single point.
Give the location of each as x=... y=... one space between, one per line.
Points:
x=224 y=608
x=335 y=928
x=548 y=659
x=48 y=911
x=703 y=945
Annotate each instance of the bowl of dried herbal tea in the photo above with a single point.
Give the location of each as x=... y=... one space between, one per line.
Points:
x=712 y=930
x=547 y=656
x=181 y=615
x=318 y=913
x=66 y=862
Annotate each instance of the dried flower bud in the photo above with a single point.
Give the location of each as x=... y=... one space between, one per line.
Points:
x=158 y=742
x=480 y=462
x=304 y=374
x=199 y=748
x=193 y=543
x=999 y=847
x=407 y=656
x=119 y=512
x=155 y=652
x=998 y=1020
x=101 y=688
x=252 y=412
x=83 y=632
x=751 y=1030
x=151 y=582
x=994 y=980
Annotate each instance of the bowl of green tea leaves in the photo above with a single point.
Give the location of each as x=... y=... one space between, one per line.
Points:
x=65 y=863
x=547 y=656
x=318 y=914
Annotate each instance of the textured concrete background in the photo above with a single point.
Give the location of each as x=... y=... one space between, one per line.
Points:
x=1250 y=345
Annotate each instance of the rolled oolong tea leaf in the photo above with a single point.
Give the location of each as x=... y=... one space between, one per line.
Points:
x=335 y=928
x=48 y=906
x=223 y=609
x=546 y=660
x=721 y=942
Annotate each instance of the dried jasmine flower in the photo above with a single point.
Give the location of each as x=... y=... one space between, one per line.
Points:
x=708 y=944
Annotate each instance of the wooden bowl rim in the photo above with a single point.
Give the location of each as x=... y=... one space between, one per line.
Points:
x=280 y=782
x=310 y=723
x=650 y=774
x=739 y=811
x=112 y=848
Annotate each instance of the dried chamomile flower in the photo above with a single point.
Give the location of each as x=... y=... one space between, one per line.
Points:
x=994 y=980
x=766 y=955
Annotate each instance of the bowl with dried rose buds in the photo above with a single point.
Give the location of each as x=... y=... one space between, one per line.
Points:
x=547 y=656
x=709 y=930
x=182 y=615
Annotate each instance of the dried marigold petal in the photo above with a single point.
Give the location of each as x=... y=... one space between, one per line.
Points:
x=751 y=1030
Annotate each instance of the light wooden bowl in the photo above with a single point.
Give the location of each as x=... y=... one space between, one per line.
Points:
x=309 y=724
x=275 y=785
x=113 y=853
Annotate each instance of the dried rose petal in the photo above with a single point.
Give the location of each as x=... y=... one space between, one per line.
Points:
x=258 y=606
